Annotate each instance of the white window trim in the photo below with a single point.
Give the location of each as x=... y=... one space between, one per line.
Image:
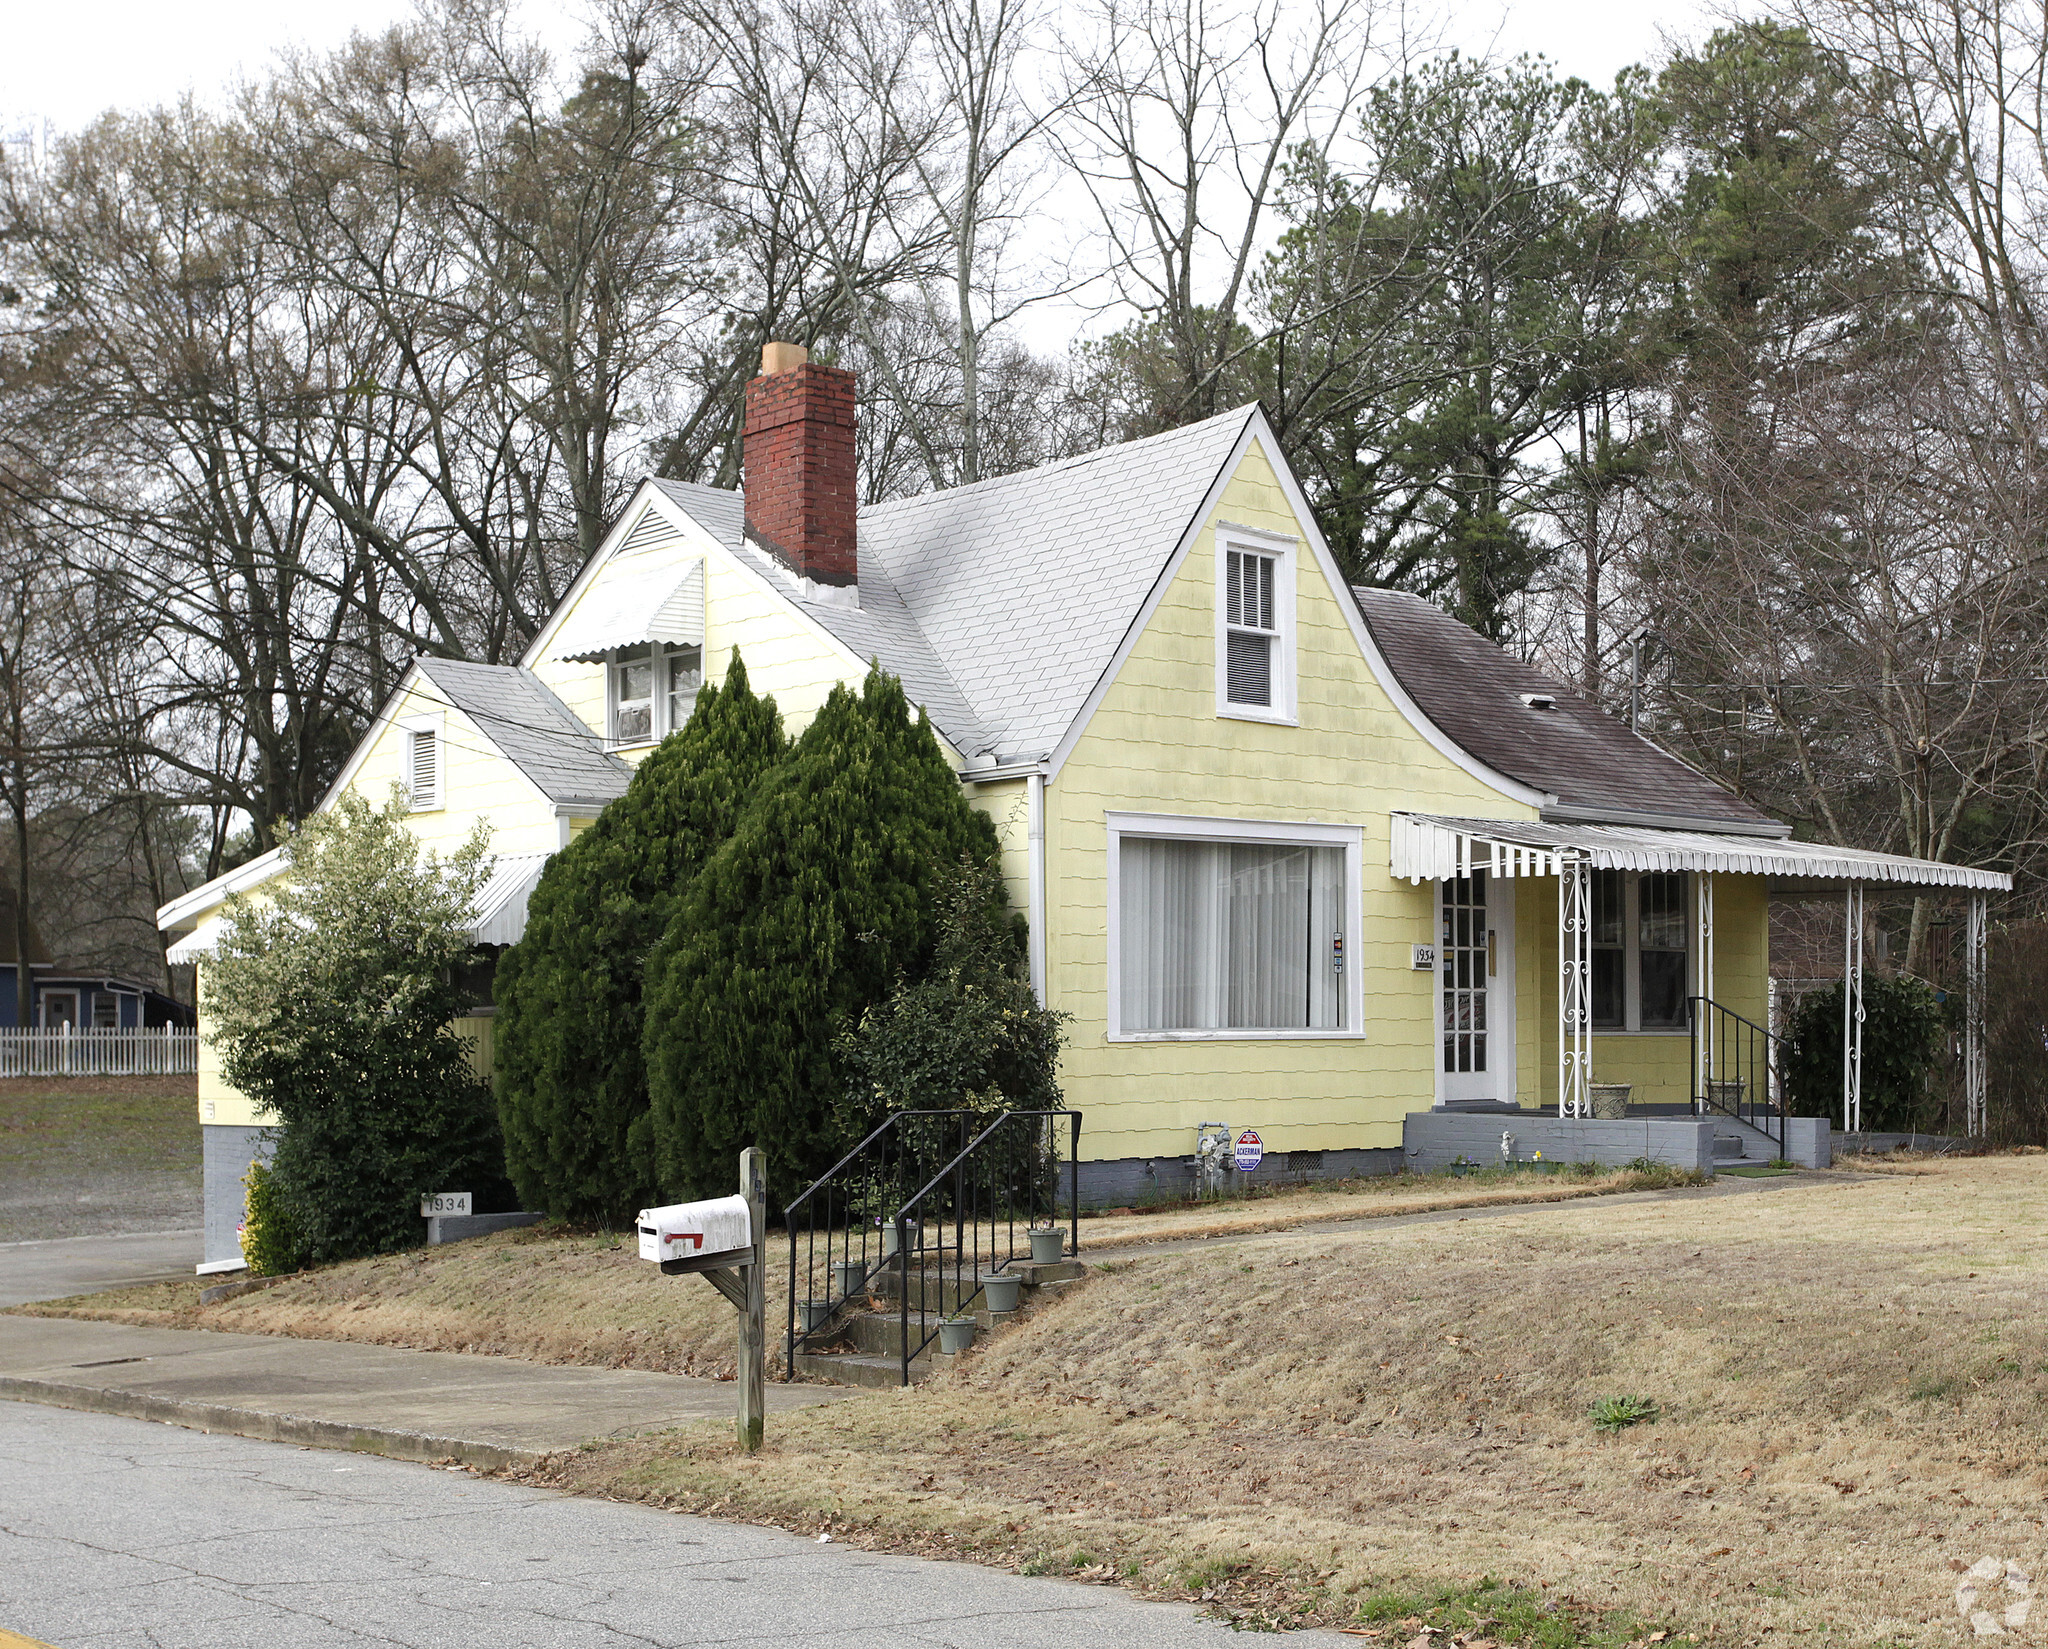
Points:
x=658 y=717
x=1631 y=959
x=1186 y=826
x=436 y=725
x=1285 y=551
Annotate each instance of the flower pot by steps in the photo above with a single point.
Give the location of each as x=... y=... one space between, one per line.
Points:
x=848 y=1277
x=813 y=1314
x=1001 y=1292
x=1610 y=1100
x=1048 y=1247
x=956 y=1334
x=913 y=1235
x=1727 y=1095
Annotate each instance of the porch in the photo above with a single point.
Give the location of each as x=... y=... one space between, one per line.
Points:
x=1610 y=955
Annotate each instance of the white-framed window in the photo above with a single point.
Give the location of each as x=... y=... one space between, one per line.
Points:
x=1641 y=949
x=424 y=759
x=650 y=691
x=1223 y=928
x=1254 y=625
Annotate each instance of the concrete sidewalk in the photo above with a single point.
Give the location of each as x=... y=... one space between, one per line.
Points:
x=411 y=1405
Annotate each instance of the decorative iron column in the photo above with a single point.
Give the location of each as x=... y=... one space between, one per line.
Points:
x=1575 y=986
x=1975 y=1119
x=1852 y=1009
x=1703 y=976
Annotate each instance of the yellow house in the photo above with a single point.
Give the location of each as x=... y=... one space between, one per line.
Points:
x=1296 y=858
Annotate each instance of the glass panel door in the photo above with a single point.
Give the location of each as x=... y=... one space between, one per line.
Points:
x=1475 y=989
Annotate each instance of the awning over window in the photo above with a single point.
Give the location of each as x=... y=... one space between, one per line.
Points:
x=653 y=596
x=500 y=907
x=1431 y=848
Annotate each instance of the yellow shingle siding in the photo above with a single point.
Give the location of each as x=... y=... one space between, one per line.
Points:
x=1156 y=744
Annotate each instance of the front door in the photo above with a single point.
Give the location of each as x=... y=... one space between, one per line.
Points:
x=1475 y=1010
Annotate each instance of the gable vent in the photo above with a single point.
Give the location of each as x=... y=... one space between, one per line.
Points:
x=425 y=767
x=652 y=529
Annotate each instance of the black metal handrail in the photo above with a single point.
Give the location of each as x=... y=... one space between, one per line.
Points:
x=841 y=1225
x=1738 y=1068
x=1010 y=1168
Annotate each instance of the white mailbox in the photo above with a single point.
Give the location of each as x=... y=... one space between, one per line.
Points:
x=697 y=1230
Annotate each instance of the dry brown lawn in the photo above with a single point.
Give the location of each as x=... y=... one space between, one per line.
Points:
x=1849 y=1373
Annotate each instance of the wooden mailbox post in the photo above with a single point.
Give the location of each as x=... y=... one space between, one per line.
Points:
x=698 y=1237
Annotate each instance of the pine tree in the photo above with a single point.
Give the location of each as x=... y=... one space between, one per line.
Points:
x=805 y=918
x=572 y=1085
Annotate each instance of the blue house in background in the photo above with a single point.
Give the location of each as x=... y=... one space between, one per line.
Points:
x=84 y=998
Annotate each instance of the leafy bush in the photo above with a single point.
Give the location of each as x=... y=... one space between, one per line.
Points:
x=805 y=918
x=571 y=1078
x=331 y=998
x=270 y=1244
x=2016 y=1034
x=1902 y=1035
x=968 y=1035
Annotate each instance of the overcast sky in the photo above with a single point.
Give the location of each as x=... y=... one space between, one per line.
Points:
x=65 y=62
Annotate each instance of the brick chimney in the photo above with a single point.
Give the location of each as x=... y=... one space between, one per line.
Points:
x=797 y=460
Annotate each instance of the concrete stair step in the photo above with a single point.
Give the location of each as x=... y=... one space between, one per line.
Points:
x=849 y=1368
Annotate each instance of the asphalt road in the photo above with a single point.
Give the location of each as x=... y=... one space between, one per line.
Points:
x=123 y=1534
x=83 y=1265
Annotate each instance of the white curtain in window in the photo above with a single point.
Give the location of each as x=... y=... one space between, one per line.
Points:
x=1229 y=936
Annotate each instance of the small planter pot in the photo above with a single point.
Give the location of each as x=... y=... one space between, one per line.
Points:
x=1727 y=1096
x=956 y=1334
x=1001 y=1292
x=913 y=1234
x=813 y=1314
x=849 y=1277
x=1048 y=1247
x=1610 y=1100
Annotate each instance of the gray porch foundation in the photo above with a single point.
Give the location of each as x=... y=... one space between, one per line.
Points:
x=1435 y=1139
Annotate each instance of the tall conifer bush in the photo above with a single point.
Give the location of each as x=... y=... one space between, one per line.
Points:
x=803 y=920
x=572 y=1085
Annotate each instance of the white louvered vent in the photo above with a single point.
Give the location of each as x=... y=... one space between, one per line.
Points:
x=425 y=766
x=652 y=529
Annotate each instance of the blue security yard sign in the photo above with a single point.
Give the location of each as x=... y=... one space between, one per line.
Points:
x=1251 y=1151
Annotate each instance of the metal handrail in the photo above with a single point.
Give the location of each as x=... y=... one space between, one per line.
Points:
x=961 y=1183
x=824 y=1211
x=1738 y=1054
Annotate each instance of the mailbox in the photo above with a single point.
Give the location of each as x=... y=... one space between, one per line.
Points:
x=697 y=1231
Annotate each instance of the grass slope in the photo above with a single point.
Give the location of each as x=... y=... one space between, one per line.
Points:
x=72 y=1149
x=1849 y=1375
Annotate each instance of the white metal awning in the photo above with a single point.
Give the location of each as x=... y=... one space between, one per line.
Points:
x=500 y=910
x=1430 y=848
x=654 y=596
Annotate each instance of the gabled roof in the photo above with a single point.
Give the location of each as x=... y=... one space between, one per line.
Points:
x=532 y=729
x=1593 y=765
x=1000 y=604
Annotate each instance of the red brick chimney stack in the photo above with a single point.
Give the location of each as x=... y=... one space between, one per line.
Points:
x=797 y=460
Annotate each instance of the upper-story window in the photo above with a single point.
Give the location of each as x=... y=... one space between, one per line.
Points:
x=1255 y=629
x=651 y=691
x=1641 y=950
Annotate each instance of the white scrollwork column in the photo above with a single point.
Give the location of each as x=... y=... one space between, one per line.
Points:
x=1575 y=987
x=1973 y=1022
x=1852 y=1009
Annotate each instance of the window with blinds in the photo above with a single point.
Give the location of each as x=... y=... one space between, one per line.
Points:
x=424 y=768
x=1223 y=936
x=1251 y=628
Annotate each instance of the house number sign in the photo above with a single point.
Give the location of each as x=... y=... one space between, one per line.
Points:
x=438 y=1203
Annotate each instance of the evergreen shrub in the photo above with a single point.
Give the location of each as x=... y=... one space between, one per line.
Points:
x=1902 y=1037
x=571 y=1080
x=270 y=1246
x=330 y=997
x=822 y=898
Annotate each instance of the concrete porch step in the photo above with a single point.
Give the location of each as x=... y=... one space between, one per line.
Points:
x=849 y=1368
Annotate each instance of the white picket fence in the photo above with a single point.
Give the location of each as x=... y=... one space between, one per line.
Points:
x=99 y=1052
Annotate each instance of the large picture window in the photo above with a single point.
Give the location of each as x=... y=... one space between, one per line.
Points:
x=1641 y=945
x=1230 y=936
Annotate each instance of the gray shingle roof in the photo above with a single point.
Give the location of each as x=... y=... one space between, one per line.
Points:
x=536 y=731
x=1576 y=752
x=1000 y=605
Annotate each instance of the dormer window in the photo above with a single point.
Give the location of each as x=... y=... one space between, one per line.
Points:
x=1255 y=627
x=652 y=690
